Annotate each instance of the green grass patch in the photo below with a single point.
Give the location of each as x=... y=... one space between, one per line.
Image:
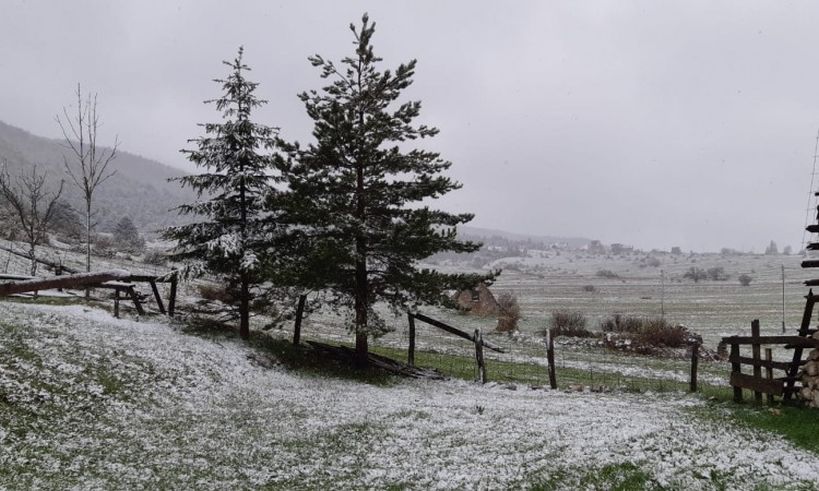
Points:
x=464 y=367
x=799 y=425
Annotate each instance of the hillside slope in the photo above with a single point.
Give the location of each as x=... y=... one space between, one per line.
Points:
x=139 y=189
x=88 y=401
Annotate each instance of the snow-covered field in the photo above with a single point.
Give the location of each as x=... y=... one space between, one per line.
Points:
x=88 y=401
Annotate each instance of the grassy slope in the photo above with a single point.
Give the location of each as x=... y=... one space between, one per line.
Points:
x=73 y=390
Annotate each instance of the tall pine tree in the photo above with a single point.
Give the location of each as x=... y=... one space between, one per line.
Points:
x=232 y=234
x=358 y=193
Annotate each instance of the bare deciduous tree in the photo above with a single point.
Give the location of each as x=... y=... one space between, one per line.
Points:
x=88 y=165
x=32 y=204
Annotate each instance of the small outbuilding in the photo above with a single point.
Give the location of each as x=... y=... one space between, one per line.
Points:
x=478 y=300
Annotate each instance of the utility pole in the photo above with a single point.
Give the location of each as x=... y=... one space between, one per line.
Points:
x=783 y=299
x=662 y=294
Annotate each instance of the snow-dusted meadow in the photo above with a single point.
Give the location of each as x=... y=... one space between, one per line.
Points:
x=88 y=401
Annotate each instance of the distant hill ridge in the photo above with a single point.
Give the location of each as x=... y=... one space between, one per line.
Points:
x=486 y=234
x=139 y=189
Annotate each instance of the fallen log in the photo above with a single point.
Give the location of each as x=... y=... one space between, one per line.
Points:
x=74 y=281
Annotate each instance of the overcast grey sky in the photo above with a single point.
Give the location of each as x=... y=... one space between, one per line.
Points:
x=651 y=123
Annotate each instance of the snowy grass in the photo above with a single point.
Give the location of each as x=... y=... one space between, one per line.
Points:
x=88 y=401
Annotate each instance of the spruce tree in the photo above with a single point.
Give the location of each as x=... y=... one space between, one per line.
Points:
x=358 y=193
x=229 y=240
x=126 y=235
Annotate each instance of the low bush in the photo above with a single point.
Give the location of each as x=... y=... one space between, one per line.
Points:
x=745 y=279
x=696 y=274
x=508 y=312
x=607 y=273
x=589 y=288
x=209 y=291
x=643 y=334
x=621 y=323
x=717 y=274
x=570 y=324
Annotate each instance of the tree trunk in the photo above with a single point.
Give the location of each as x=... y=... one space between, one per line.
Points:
x=88 y=242
x=70 y=281
x=33 y=257
x=244 y=309
x=361 y=346
x=361 y=286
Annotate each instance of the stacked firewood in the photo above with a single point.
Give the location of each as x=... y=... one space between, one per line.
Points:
x=810 y=378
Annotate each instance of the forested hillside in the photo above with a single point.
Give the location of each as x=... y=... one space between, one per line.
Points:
x=139 y=189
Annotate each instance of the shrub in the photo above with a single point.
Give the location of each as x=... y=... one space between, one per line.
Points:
x=717 y=274
x=589 y=288
x=570 y=324
x=653 y=262
x=508 y=312
x=658 y=332
x=621 y=323
x=696 y=274
x=745 y=279
x=209 y=291
x=607 y=273
x=126 y=236
x=642 y=334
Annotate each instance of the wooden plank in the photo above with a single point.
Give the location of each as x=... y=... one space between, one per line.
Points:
x=157 y=297
x=769 y=371
x=299 y=315
x=479 y=356
x=172 y=299
x=74 y=281
x=736 y=369
x=550 y=358
x=115 y=285
x=812 y=246
x=695 y=355
x=747 y=360
x=743 y=381
x=807 y=315
x=813 y=228
x=756 y=355
x=810 y=263
x=812 y=283
x=411 y=349
x=455 y=331
x=793 y=340
x=137 y=304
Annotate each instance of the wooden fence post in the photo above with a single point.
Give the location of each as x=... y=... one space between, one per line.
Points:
x=411 y=349
x=695 y=356
x=116 y=303
x=172 y=296
x=736 y=367
x=769 y=370
x=299 y=315
x=479 y=356
x=137 y=304
x=157 y=297
x=757 y=358
x=550 y=358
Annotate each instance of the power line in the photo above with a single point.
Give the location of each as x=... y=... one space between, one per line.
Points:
x=811 y=193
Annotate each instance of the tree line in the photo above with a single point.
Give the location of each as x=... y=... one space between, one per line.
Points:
x=345 y=215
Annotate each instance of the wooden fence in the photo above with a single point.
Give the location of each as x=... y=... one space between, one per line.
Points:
x=766 y=384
